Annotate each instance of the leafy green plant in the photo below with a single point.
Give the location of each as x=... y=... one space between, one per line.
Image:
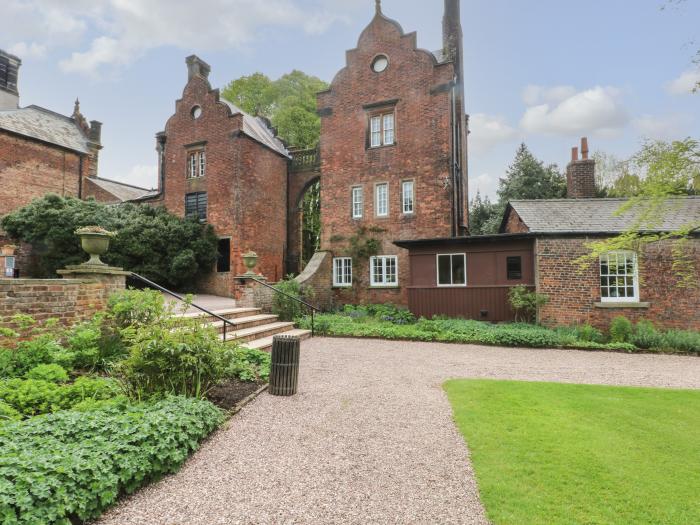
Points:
x=646 y=336
x=681 y=341
x=248 y=364
x=525 y=303
x=181 y=357
x=136 y=308
x=285 y=307
x=52 y=373
x=620 y=330
x=67 y=467
x=8 y=413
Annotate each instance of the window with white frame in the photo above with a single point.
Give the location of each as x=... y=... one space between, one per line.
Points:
x=357 y=202
x=381 y=200
x=452 y=269
x=383 y=270
x=407 y=196
x=196 y=164
x=342 y=271
x=619 y=281
x=381 y=130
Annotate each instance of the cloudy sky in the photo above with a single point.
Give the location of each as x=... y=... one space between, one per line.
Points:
x=544 y=72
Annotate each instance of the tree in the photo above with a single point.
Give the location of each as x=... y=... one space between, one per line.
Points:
x=167 y=249
x=289 y=102
x=311 y=222
x=484 y=216
x=528 y=178
x=661 y=170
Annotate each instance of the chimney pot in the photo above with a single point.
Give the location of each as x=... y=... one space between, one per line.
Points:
x=584 y=148
x=574 y=154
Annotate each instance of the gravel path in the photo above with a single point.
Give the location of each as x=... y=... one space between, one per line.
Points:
x=368 y=438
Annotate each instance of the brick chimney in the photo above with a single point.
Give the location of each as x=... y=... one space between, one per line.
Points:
x=197 y=66
x=580 y=174
x=9 y=71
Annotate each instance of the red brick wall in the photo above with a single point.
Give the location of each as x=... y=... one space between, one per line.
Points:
x=246 y=183
x=573 y=291
x=421 y=152
x=514 y=224
x=69 y=300
x=30 y=169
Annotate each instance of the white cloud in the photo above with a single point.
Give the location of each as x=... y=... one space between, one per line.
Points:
x=125 y=29
x=685 y=83
x=562 y=111
x=143 y=175
x=533 y=95
x=668 y=127
x=487 y=131
x=484 y=184
x=31 y=50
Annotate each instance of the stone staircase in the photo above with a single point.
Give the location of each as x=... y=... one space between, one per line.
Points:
x=252 y=328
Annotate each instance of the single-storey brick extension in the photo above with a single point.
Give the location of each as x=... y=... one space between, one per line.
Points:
x=541 y=245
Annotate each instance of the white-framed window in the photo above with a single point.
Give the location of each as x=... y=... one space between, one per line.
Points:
x=357 y=202
x=342 y=271
x=619 y=277
x=381 y=199
x=382 y=130
x=196 y=164
x=383 y=270
x=407 y=196
x=451 y=269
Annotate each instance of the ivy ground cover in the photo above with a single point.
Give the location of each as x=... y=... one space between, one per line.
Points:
x=548 y=453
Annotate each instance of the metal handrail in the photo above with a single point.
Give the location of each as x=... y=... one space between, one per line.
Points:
x=181 y=298
x=297 y=299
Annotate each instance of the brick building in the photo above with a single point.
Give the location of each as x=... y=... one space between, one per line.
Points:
x=393 y=155
x=226 y=167
x=541 y=245
x=41 y=151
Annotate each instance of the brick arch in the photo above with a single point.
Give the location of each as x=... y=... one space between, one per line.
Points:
x=299 y=184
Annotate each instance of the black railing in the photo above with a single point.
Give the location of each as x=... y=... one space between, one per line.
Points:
x=290 y=296
x=184 y=300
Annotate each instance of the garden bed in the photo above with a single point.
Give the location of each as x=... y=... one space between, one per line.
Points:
x=228 y=394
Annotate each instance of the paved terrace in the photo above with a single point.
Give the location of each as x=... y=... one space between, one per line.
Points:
x=368 y=439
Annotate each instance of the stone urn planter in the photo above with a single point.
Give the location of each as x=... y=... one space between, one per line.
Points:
x=8 y=250
x=250 y=259
x=95 y=242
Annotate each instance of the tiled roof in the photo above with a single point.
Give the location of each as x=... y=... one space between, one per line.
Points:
x=122 y=191
x=599 y=215
x=45 y=125
x=257 y=129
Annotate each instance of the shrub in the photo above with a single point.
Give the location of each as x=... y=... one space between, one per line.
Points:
x=173 y=357
x=620 y=330
x=168 y=249
x=285 y=307
x=646 y=336
x=525 y=303
x=52 y=373
x=136 y=308
x=248 y=364
x=7 y=413
x=681 y=341
x=69 y=466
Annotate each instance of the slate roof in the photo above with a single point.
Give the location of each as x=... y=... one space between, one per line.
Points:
x=257 y=129
x=45 y=125
x=598 y=215
x=122 y=191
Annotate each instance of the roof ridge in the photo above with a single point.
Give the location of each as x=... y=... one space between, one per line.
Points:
x=121 y=183
x=51 y=112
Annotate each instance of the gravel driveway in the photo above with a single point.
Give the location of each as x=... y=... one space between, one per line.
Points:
x=368 y=438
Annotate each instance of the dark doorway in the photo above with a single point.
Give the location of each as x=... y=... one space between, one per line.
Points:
x=223 y=261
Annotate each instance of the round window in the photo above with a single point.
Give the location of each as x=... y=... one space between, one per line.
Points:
x=380 y=63
x=196 y=112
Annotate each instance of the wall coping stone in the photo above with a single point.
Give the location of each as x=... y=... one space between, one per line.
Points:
x=86 y=269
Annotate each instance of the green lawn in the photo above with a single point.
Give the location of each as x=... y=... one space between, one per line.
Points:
x=561 y=453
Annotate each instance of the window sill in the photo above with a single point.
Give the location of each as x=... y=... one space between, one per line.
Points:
x=341 y=286
x=383 y=146
x=621 y=304
x=384 y=287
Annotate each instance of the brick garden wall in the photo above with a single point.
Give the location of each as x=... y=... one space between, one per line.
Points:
x=69 y=300
x=573 y=291
x=417 y=87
